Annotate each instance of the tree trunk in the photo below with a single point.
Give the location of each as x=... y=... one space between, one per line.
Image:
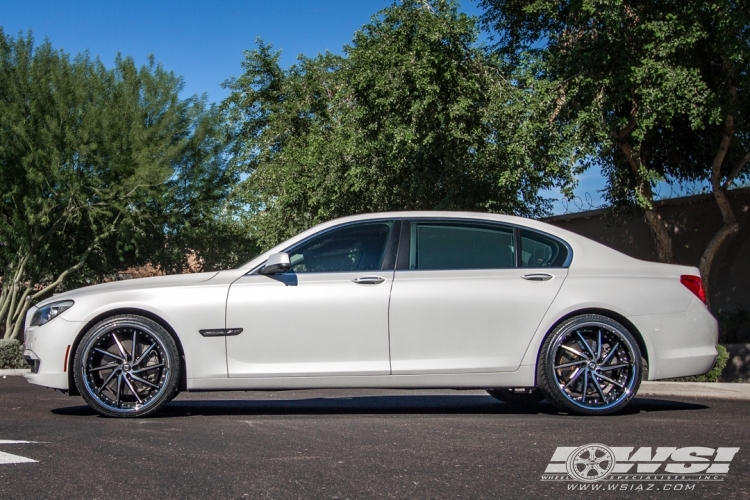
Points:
x=659 y=229
x=722 y=199
x=662 y=238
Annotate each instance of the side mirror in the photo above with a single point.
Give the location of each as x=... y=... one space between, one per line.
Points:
x=276 y=264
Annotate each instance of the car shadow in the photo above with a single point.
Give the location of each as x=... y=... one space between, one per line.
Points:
x=375 y=405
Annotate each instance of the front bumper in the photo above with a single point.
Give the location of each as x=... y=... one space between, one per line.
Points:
x=48 y=348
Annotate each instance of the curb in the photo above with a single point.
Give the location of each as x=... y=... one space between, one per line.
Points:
x=14 y=372
x=716 y=390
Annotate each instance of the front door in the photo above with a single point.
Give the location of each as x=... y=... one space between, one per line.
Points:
x=327 y=316
x=464 y=300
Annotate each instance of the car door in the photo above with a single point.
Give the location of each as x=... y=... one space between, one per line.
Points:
x=327 y=316
x=464 y=299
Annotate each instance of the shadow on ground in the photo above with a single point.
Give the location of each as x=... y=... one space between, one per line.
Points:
x=374 y=405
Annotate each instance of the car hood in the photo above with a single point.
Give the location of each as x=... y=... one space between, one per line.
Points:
x=133 y=284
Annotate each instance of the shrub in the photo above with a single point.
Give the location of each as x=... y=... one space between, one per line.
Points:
x=11 y=354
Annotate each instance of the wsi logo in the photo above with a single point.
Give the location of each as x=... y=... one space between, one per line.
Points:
x=598 y=462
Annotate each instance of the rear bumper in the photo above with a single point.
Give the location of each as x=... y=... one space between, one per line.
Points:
x=679 y=345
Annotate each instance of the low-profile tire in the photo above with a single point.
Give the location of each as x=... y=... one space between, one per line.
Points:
x=517 y=397
x=589 y=365
x=127 y=366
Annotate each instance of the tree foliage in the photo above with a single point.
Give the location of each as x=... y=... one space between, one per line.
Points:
x=99 y=169
x=414 y=115
x=657 y=90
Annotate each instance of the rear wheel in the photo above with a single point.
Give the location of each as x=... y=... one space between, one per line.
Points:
x=590 y=365
x=517 y=397
x=127 y=366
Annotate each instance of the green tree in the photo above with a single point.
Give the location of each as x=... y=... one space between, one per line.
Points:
x=100 y=169
x=657 y=89
x=413 y=116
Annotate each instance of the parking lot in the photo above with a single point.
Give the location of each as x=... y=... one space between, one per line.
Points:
x=341 y=444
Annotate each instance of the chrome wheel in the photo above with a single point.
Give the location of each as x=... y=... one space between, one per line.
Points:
x=592 y=365
x=125 y=366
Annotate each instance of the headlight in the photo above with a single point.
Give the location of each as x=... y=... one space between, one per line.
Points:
x=49 y=312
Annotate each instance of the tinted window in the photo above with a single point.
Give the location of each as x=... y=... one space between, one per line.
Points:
x=538 y=250
x=460 y=246
x=358 y=247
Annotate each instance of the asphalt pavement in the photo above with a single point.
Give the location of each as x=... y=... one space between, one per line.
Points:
x=338 y=444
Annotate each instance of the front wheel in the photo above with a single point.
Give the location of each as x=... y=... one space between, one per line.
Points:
x=589 y=365
x=127 y=366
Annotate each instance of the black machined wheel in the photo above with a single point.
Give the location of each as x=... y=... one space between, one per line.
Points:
x=590 y=365
x=127 y=366
x=517 y=397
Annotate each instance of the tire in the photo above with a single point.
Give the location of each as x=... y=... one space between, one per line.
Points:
x=117 y=380
x=520 y=397
x=589 y=365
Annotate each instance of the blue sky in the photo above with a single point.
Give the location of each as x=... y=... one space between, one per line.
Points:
x=203 y=41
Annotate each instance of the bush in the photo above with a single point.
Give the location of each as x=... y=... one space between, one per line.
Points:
x=11 y=354
x=714 y=374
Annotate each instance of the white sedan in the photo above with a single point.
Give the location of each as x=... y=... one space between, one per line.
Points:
x=454 y=300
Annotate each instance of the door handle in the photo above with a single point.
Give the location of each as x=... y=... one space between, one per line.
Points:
x=537 y=277
x=369 y=280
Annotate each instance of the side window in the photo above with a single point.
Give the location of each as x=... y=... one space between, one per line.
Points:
x=538 y=250
x=357 y=247
x=458 y=245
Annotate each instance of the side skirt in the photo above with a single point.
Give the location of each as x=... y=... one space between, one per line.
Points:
x=523 y=377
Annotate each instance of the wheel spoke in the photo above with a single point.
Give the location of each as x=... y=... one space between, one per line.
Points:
x=613 y=367
x=611 y=353
x=599 y=346
x=120 y=347
x=585 y=385
x=598 y=387
x=574 y=377
x=599 y=469
x=132 y=347
x=143 y=381
x=143 y=356
x=119 y=389
x=577 y=353
x=107 y=353
x=105 y=367
x=101 y=388
x=573 y=363
x=588 y=347
x=607 y=379
x=151 y=367
x=130 y=386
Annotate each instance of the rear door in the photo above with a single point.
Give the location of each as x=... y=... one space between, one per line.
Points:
x=465 y=300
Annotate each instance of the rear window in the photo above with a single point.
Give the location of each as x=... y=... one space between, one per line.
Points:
x=538 y=250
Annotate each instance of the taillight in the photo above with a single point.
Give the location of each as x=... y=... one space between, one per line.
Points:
x=695 y=285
